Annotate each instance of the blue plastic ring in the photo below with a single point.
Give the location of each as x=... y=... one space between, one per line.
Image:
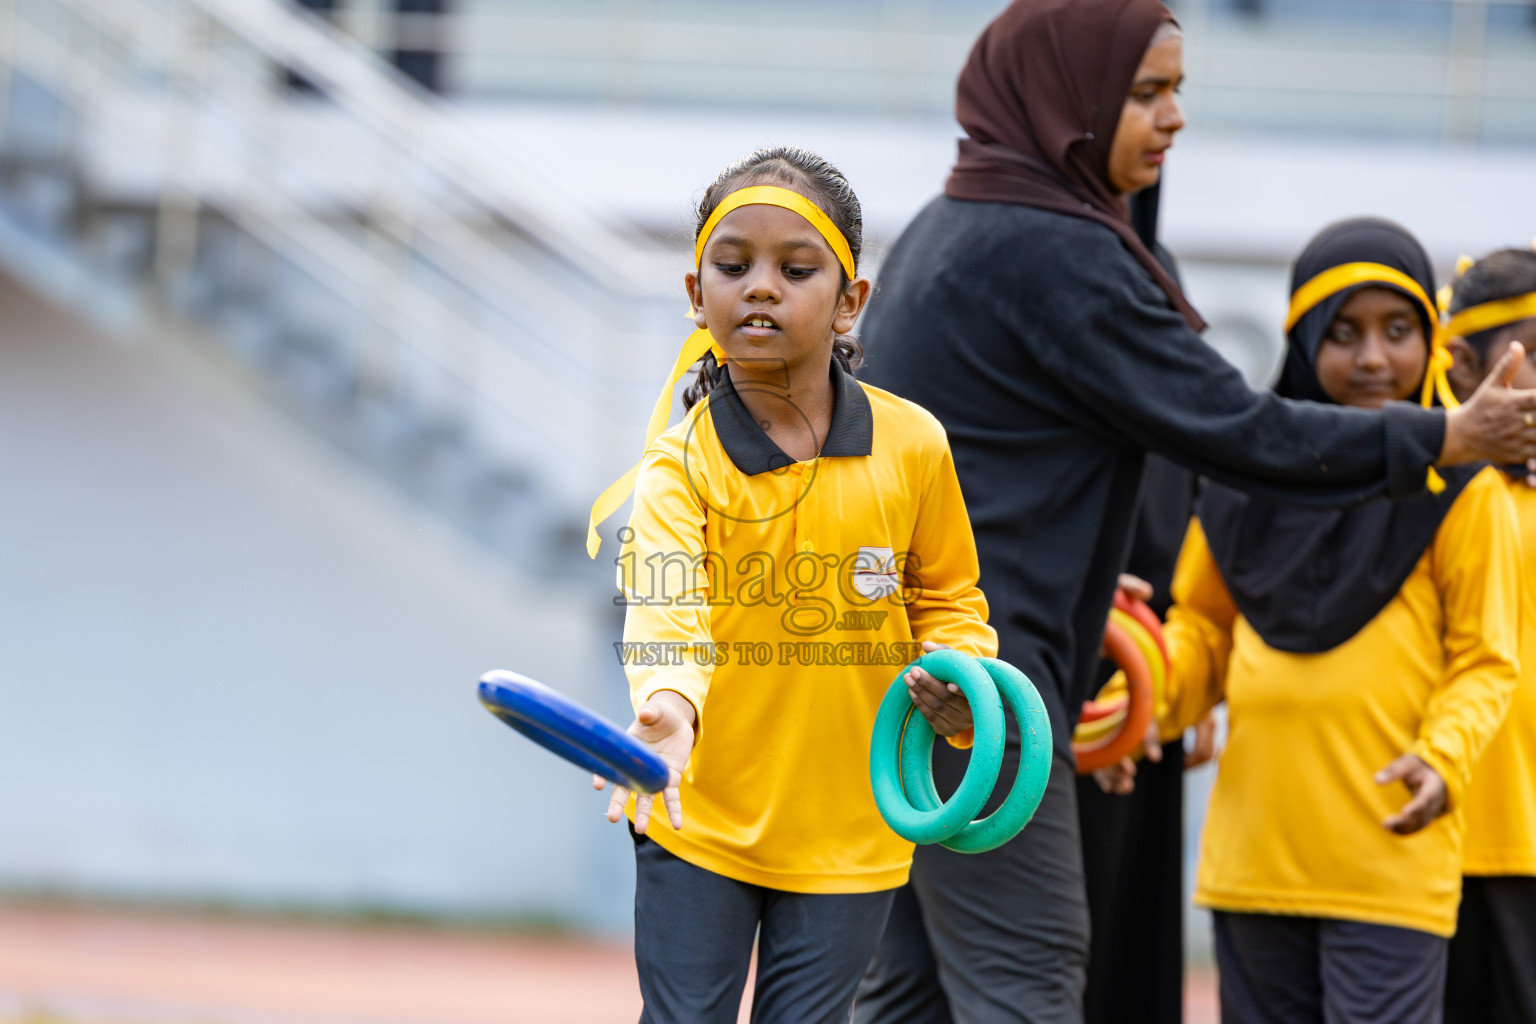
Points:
x=563 y=727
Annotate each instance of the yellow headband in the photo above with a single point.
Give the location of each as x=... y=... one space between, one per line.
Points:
x=1348 y=275
x=701 y=341
x=773 y=195
x=1489 y=315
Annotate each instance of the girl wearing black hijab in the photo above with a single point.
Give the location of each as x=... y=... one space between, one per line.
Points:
x=1356 y=649
x=1022 y=310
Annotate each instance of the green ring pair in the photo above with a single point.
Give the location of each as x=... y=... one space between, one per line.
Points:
x=901 y=756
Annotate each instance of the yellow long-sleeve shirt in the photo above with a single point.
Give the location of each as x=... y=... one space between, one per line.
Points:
x=1294 y=824
x=1500 y=804
x=820 y=580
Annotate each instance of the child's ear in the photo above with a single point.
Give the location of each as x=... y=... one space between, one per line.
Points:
x=850 y=304
x=695 y=299
x=1467 y=369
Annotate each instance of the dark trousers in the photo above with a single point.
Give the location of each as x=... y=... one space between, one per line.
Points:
x=693 y=945
x=1491 y=978
x=1133 y=861
x=992 y=937
x=1276 y=969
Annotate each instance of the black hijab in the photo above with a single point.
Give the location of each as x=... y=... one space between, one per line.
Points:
x=1309 y=579
x=1040 y=99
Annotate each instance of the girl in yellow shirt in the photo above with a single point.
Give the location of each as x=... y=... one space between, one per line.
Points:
x=1492 y=972
x=794 y=541
x=1366 y=657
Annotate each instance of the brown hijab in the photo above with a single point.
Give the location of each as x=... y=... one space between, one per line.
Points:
x=1040 y=99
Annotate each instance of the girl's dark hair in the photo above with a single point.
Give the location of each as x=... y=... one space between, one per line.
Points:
x=1500 y=275
x=824 y=185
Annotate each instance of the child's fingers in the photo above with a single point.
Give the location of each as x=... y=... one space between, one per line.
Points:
x=922 y=687
x=1400 y=768
x=933 y=699
x=1152 y=743
x=598 y=782
x=935 y=689
x=673 y=800
x=648 y=715
x=1135 y=586
x=642 y=812
x=1415 y=814
x=616 y=803
x=927 y=680
x=1423 y=783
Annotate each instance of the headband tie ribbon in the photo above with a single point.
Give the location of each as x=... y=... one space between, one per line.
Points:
x=1348 y=275
x=701 y=342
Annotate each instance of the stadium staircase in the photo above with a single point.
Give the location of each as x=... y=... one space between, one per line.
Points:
x=240 y=174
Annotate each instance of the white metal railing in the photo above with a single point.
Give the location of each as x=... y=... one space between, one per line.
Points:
x=451 y=250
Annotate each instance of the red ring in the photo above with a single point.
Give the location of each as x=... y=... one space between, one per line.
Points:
x=1143 y=613
x=1093 y=710
x=1138 y=678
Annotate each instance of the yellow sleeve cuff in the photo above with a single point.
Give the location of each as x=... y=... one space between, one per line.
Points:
x=962 y=740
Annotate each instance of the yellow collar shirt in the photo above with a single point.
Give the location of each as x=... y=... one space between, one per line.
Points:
x=1501 y=799
x=1294 y=823
x=781 y=598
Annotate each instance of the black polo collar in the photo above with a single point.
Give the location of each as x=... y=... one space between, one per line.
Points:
x=753 y=451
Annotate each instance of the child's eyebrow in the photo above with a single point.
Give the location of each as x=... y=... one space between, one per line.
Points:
x=798 y=243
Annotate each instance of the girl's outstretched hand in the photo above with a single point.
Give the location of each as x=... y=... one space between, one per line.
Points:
x=941 y=703
x=1428 y=789
x=665 y=724
x=1496 y=424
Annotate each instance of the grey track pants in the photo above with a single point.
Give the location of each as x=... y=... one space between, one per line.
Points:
x=693 y=943
x=991 y=938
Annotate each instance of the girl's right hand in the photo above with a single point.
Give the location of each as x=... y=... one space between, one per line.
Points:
x=941 y=703
x=665 y=724
x=1496 y=424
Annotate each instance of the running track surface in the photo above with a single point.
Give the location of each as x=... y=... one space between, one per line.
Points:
x=139 y=967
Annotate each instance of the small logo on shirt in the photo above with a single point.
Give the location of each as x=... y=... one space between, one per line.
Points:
x=874 y=573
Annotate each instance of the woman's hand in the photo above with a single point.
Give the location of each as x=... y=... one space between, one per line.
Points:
x=1428 y=789
x=941 y=703
x=665 y=724
x=1496 y=424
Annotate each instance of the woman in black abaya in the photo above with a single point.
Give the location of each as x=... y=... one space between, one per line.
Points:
x=1022 y=310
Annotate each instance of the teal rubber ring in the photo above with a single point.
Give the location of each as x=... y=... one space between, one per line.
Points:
x=887 y=746
x=1028 y=785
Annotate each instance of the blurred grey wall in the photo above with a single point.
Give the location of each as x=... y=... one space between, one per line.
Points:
x=237 y=668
